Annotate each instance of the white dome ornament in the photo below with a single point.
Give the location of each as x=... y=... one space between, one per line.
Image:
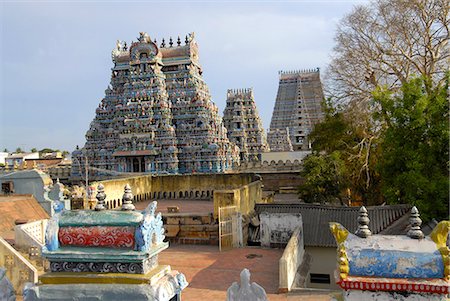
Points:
x=246 y=291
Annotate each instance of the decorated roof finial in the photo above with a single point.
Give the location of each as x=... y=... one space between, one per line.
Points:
x=415 y=222
x=170 y=42
x=163 y=43
x=127 y=199
x=186 y=40
x=125 y=47
x=363 y=221
x=178 y=41
x=101 y=196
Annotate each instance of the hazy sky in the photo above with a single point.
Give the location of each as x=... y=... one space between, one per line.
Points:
x=55 y=57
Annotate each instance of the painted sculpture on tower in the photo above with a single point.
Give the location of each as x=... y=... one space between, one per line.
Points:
x=410 y=267
x=106 y=255
x=157 y=115
x=244 y=125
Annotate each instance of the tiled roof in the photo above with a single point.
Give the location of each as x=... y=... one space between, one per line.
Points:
x=14 y=207
x=316 y=218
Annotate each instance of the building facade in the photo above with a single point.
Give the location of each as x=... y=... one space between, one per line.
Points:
x=244 y=125
x=297 y=109
x=157 y=115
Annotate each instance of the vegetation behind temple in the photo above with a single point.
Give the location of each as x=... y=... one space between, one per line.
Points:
x=404 y=161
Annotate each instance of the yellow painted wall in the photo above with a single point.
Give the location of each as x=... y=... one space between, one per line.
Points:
x=242 y=190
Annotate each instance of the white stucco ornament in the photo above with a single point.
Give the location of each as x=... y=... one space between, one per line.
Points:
x=246 y=291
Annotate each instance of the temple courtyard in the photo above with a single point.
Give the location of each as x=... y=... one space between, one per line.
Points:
x=211 y=272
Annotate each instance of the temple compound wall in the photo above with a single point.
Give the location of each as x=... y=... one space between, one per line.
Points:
x=243 y=124
x=241 y=190
x=157 y=115
x=297 y=109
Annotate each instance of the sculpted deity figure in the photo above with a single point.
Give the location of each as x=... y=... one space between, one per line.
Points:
x=246 y=291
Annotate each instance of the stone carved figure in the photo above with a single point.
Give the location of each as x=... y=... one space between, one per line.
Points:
x=246 y=291
x=151 y=231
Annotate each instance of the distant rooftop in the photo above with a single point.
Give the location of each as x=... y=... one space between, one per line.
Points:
x=18 y=207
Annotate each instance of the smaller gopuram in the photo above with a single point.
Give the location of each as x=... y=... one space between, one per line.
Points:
x=297 y=109
x=410 y=267
x=244 y=125
x=106 y=255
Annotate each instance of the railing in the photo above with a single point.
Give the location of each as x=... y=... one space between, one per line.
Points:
x=18 y=270
x=30 y=235
x=230 y=228
x=291 y=260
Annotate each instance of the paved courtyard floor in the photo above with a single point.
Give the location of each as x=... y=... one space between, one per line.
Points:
x=210 y=272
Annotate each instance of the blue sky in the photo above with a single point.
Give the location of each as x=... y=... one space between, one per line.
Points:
x=55 y=57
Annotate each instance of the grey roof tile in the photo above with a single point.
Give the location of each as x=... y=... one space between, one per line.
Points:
x=316 y=219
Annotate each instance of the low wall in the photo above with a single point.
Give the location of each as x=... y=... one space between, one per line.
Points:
x=274 y=180
x=190 y=228
x=277 y=228
x=291 y=260
x=270 y=166
x=244 y=198
x=30 y=235
x=18 y=270
x=199 y=186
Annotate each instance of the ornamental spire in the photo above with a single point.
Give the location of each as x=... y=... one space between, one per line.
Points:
x=415 y=222
x=363 y=221
x=101 y=196
x=127 y=199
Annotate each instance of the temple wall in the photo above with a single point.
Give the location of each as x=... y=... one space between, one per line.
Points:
x=18 y=269
x=191 y=228
x=270 y=166
x=323 y=262
x=277 y=228
x=245 y=191
x=274 y=180
x=244 y=197
x=291 y=260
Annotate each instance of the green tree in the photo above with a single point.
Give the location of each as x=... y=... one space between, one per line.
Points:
x=340 y=135
x=19 y=150
x=6 y=150
x=34 y=150
x=324 y=178
x=415 y=146
x=46 y=150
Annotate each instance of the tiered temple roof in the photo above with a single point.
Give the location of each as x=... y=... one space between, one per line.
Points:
x=244 y=125
x=157 y=115
x=297 y=109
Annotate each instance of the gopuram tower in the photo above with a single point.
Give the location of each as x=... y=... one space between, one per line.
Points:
x=244 y=125
x=297 y=109
x=157 y=115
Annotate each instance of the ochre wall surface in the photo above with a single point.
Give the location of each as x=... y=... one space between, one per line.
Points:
x=241 y=190
x=273 y=181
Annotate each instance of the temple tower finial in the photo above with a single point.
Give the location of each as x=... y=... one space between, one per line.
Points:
x=127 y=199
x=415 y=222
x=363 y=221
x=101 y=196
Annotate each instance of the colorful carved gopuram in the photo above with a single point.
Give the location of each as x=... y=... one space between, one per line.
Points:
x=106 y=255
x=387 y=267
x=297 y=109
x=157 y=115
x=244 y=125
